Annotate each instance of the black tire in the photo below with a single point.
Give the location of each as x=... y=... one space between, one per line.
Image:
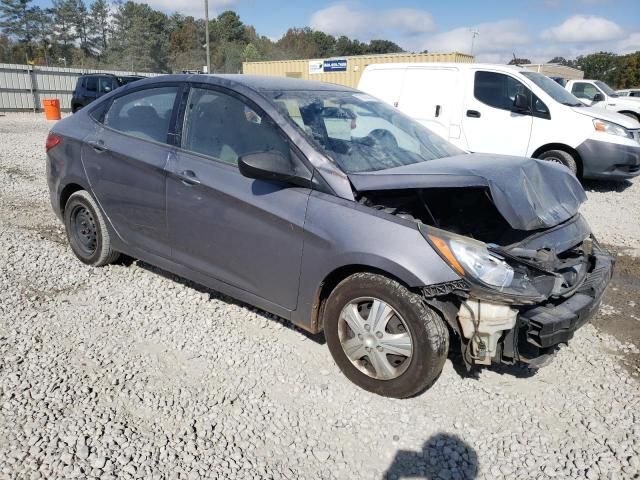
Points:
x=75 y=108
x=429 y=335
x=87 y=232
x=560 y=156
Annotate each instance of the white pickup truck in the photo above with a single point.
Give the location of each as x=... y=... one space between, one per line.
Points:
x=595 y=93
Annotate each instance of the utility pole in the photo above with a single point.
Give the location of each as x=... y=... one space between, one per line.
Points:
x=474 y=34
x=206 y=22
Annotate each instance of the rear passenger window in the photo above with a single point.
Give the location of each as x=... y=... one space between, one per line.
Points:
x=145 y=114
x=497 y=90
x=224 y=127
x=92 y=84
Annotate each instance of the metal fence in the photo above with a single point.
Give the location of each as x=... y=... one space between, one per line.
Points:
x=23 y=87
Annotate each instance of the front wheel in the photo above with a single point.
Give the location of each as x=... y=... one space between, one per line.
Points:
x=383 y=337
x=561 y=157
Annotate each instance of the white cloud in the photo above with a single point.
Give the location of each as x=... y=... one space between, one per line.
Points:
x=628 y=45
x=341 y=19
x=191 y=7
x=493 y=38
x=583 y=29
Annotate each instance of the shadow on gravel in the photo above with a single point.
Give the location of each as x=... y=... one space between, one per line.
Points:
x=128 y=261
x=606 y=186
x=443 y=456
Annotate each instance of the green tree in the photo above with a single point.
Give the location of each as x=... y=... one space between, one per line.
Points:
x=16 y=20
x=519 y=61
x=100 y=25
x=382 y=46
x=82 y=25
x=603 y=66
x=228 y=27
x=250 y=53
x=185 y=43
x=63 y=31
x=140 y=40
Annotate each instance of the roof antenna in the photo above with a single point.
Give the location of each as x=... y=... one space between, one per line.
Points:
x=515 y=60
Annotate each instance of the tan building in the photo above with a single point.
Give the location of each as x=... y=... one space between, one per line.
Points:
x=555 y=70
x=343 y=70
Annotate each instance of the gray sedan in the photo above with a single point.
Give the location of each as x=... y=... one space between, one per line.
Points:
x=331 y=209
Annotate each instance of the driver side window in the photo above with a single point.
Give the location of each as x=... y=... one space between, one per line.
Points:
x=584 y=90
x=498 y=90
x=224 y=127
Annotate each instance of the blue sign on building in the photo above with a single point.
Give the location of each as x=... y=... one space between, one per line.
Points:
x=335 y=65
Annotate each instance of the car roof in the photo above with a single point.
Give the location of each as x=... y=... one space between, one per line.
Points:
x=253 y=82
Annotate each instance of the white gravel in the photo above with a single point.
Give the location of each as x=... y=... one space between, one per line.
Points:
x=128 y=372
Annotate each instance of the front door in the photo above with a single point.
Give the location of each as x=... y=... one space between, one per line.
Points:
x=588 y=94
x=246 y=233
x=125 y=162
x=490 y=122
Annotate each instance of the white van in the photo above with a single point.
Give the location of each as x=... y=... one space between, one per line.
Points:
x=512 y=111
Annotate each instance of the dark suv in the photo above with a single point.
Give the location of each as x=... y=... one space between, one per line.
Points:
x=92 y=86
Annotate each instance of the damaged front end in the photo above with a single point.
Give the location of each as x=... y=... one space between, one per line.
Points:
x=537 y=300
x=531 y=273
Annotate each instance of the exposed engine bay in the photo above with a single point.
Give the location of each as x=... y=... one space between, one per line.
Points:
x=555 y=278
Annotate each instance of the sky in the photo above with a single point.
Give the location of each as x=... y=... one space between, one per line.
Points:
x=533 y=29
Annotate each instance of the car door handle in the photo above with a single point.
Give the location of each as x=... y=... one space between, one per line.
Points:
x=189 y=177
x=473 y=113
x=437 y=111
x=98 y=146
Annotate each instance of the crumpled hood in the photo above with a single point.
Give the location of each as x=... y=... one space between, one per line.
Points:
x=615 y=117
x=530 y=194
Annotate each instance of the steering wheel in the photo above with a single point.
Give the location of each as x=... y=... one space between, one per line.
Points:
x=384 y=137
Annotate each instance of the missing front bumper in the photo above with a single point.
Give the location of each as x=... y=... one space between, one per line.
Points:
x=543 y=327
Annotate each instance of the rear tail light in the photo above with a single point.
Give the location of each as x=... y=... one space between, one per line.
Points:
x=52 y=141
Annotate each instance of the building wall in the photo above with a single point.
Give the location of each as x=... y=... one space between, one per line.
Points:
x=23 y=87
x=556 y=70
x=355 y=66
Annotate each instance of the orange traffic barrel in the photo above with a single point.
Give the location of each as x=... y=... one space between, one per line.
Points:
x=51 y=108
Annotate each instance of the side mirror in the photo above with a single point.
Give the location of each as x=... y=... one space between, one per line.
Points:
x=598 y=97
x=273 y=166
x=521 y=102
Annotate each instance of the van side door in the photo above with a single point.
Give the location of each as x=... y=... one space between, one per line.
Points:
x=383 y=83
x=492 y=123
x=429 y=95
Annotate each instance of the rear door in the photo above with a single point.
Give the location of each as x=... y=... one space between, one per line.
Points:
x=490 y=122
x=125 y=161
x=428 y=96
x=246 y=233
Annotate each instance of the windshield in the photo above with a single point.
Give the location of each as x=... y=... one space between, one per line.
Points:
x=606 y=88
x=553 y=89
x=359 y=132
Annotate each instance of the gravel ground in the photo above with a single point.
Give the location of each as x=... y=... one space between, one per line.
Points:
x=129 y=372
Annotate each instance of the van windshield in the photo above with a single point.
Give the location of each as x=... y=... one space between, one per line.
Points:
x=553 y=89
x=359 y=132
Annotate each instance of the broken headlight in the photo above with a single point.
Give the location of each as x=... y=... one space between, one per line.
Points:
x=486 y=269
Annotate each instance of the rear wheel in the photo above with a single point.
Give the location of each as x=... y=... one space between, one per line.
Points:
x=87 y=232
x=383 y=337
x=561 y=157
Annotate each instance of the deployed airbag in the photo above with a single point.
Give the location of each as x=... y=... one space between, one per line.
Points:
x=530 y=194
